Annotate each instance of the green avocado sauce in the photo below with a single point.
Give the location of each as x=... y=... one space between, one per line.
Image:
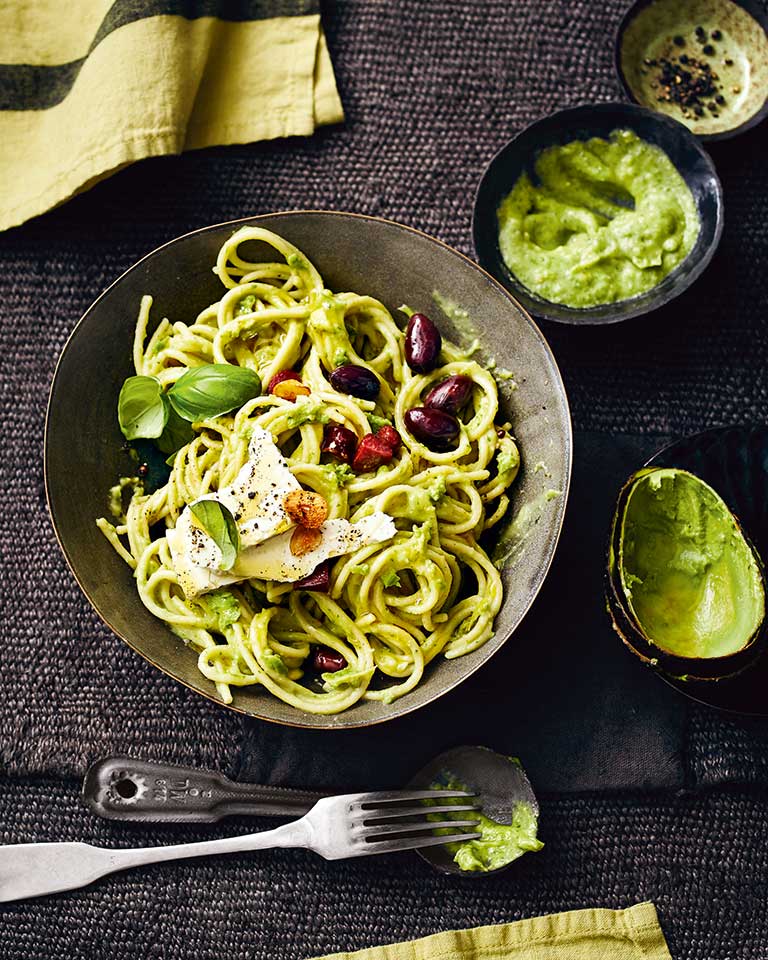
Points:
x=514 y=536
x=223 y=605
x=691 y=579
x=135 y=487
x=307 y=410
x=499 y=843
x=605 y=220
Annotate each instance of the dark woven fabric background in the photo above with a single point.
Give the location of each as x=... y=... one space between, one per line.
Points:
x=702 y=860
x=431 y=88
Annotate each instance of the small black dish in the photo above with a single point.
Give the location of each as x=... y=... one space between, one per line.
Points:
x=734 y=461
x=720 y=43
x=582 y=123
x=500 y=783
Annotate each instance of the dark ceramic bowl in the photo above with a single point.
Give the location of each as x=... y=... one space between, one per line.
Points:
x=734 y=461
x=84 y=451
x=581 y=123
x=656 y=30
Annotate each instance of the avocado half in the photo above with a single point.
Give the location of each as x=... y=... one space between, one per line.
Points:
x=685 y=588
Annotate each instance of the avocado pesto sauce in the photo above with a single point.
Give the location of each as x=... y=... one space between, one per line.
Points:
x=499 y=843
x=605 y=220
x=691 y=579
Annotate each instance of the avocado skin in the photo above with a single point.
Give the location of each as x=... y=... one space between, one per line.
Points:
x=626 y=625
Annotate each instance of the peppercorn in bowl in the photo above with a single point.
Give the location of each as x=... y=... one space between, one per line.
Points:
x=701 y=62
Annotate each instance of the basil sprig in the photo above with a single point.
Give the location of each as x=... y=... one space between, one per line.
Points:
x=219 y=524
x=142 y=409
x=177 y=433
x=145 y=411
x=212 y=390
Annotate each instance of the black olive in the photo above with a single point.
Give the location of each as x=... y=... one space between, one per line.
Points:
x=356 y=381
x=423 y=343
x=434 y=428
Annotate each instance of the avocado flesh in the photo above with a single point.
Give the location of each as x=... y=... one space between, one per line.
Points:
x=691 y=580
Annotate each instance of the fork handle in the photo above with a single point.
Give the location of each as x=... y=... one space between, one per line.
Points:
x=121 y=788
x=37 y=869
x=294 y=834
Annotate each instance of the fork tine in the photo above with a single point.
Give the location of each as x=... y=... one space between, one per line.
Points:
x=389 y=829
x=422 y=811
x=412 y=843
x=393 y=796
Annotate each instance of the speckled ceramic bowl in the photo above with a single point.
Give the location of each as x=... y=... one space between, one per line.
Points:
x=581 y=123
x=726 y=39
x=84 y=449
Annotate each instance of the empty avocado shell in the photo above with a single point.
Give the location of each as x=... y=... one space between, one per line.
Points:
x=685 y=587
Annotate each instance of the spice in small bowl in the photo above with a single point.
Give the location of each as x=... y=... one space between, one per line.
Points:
x=702 y=62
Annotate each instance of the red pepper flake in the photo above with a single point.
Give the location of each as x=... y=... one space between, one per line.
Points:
x=390 y=436
x=372 y=452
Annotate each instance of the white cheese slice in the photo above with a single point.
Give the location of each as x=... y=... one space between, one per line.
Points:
x=273 y=559
x=255 y=498
x=256 y=501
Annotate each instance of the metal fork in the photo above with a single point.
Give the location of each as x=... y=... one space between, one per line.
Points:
x=351 y=825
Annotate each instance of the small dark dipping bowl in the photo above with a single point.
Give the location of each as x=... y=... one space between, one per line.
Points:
x=500 y=784
x=582 y=123
x=85 y=454
x=725 y=40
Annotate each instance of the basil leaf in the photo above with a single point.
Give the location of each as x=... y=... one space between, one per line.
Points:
x=177 y=433
x=213 y=389
x=142 y=409
x=220 y=526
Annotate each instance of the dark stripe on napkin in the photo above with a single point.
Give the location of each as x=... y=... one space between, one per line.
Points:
x=33 y=87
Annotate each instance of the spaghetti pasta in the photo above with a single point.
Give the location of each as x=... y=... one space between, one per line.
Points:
x=392 y=606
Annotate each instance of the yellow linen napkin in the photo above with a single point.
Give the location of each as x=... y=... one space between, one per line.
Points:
x=632 y=934
x=89 y=86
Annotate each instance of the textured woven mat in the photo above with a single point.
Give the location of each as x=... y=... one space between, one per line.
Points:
x=695 y=857
x=431 y=90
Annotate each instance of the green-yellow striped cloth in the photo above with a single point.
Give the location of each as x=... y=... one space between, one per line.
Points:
x=632 y=934
x=88 y=86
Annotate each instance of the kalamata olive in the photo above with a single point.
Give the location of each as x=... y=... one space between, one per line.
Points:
x=450 y=395
x=340 y=442
x=280 y=376
x=326 y=660
x=423 y=343
x=434 y=428
x=319 y=579
x=356 y=381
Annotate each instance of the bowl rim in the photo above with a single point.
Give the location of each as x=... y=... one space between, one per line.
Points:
x=482 y=661
x=757 y=14
x=581 y=316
